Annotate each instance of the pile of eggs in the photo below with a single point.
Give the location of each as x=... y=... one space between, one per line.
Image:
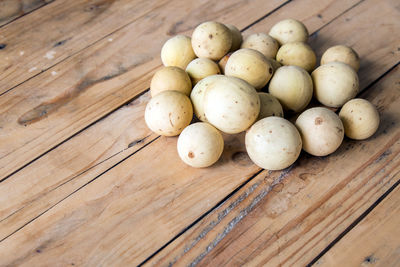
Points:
x=223 y=80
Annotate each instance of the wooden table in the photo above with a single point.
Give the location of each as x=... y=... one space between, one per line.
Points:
x=85 y=183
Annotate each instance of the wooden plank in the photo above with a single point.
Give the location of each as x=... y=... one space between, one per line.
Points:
x=57 y=174
x=358 y=19
x=13 y=9
x=99 y=148
x=375 y=240
x=44 y=38
x=102 y=148
x=56 y=104
x=353 y=30
x=125 y=205
x=178 y=195
x=286 y=218
x=314 y=14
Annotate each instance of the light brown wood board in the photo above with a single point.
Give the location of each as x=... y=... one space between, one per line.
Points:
x=287 y=218
x=52 y=106
x=374 y=241
x=140 y=139
x=13 y=9
x=96 y=154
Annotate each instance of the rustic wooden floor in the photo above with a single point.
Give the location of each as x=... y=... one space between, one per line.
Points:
x=84 y=182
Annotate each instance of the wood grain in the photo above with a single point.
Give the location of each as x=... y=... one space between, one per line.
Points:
x=105 y=219
x=13 y=9
x=98 y=148
x=40 y=40
x=374 y=241
x=362 y=22
x=354 y=29
x=314 y=14
x=54 y=105
x=62 y=171
x=52 y=178
x=286 y=218
x=69 y=227
x=97 y=209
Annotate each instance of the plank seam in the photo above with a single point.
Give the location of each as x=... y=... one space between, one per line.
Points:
x=84 y=48
x=354 y=223
x=118 y=107
x=75 y=134
x=129 y=100
x=315 y=33
x=242 y=214
x=343 y=213
x=241 y=186
x=287 y=227
x=265 y=16
x=76 y=190
x=101 y=118
x=26 y=13
x=202 y=216
x=144 y=147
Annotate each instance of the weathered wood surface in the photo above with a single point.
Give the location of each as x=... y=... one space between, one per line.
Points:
x=287 y=218
x=90 y=146
x=56 y=31
x=13 y=9
x=52 y=106
x=98 y=148
x=70 y=210
x=374 y=241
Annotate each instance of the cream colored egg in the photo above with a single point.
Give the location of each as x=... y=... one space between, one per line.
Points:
x=170 y=78
x=263 y=43
x=289 y=31
x=321 y=130
x=200 y=145
x=341 y=53
x=211 y=40
x=177 y=51
x=269 y=106
x=273 y=143
x=236 y=37
x=297 y=54
x=251 y=66
x=197 y=95
x=293 y=87
x=231 y=104
x=200 y=68
x=168 y=113
x=360 y=119
x=335 y=83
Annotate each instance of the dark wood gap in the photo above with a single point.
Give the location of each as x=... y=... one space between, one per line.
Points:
x=258 y=172
x=111 y=111
x=101 y=118
x=366 y=212
x=232 y=194
x=78 y=132
x=93 y=179
x=138 y=95
x=26 y=13
x=265 y=16
x=353 y=224
x=141 y=93
x=202 y=216
x=80 y=50
x=326 y=24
